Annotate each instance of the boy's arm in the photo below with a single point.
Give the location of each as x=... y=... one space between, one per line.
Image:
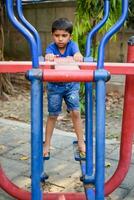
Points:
x=78 y=57
x=49 y=57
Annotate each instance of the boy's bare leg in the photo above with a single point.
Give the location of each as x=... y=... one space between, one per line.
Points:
x=76 y=118
x=50 y=124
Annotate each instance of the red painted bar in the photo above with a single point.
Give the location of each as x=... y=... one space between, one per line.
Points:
x=21 y=194
x=67 y=75
x=127 y=132
x=127 y=137
x=23 y=66
x=113 y=68
x=130 y=54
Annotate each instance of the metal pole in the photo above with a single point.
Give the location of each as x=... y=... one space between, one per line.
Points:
x=89 y=97
x=100 y=107
x=29 y=26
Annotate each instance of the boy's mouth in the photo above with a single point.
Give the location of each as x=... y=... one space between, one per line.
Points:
x=60 y=43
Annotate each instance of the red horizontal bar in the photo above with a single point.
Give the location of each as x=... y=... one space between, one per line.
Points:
x=23 y=66
x=113 y=68
x=67 y=75
x=21 y=194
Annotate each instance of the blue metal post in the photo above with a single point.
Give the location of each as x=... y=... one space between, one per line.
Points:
x=97 y=27
x=29 y=26
x=36 y=137
x=89 y=98
x=110 y=33
x=24 y=31
x=38 y=43
x=36 y=108
x=100 y=108
x=89 y=129
x=100 y=139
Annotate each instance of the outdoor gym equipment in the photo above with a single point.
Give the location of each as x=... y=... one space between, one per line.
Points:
x=89 y=71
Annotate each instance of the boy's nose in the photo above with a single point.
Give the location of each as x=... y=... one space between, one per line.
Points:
x=60 y=38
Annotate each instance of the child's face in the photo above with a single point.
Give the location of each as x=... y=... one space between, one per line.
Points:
x=61 y=38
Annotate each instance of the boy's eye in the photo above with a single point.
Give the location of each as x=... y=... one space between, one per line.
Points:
x=64 y=35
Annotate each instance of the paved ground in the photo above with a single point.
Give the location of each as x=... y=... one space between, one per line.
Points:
x=64 y=171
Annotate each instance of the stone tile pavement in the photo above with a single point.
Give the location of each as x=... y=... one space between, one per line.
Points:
x=63 y=170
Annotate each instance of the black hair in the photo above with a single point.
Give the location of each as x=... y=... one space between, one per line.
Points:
x=62 y=24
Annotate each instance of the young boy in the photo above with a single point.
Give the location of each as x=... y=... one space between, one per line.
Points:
x=63 y=46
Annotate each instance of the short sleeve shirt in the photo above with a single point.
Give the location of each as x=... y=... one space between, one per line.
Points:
x=71 y=49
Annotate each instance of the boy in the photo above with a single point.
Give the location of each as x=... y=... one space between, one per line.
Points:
x=63 y=46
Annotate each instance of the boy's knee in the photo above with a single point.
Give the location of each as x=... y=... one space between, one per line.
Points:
x=75 y=114
x=52 y=117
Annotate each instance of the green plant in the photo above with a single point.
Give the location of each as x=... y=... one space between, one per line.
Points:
x=88 y=14
x=130 y=21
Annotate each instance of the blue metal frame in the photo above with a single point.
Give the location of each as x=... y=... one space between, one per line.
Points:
x=40 y=84
x=36 y=106
x=97 y=27
x=29 y=37
x=36 y=137
x=89 y=99
x=29 y=26
x=110 y=33
x=100 y=139
x=100 y=108
x=100 y=76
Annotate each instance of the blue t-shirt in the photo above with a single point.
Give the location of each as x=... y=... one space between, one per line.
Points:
x=71 y=49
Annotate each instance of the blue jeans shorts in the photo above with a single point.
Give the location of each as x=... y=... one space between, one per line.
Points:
x=56 y=92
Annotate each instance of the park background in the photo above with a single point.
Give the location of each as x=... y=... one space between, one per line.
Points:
x=41 y=16
x=15 y=111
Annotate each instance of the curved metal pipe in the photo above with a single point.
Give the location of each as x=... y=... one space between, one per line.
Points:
x=100 y=95
x=109 y=34
x=97 y=27
x=28 y=26
x=25 y=33
x=127 y=135
x=89 y=97
x=36 y=107
x=21 y=194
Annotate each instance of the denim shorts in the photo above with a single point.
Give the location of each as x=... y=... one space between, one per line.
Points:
x=56 y=92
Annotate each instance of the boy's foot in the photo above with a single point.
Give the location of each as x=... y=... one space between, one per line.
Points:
x=82 y=148
x=46 y=151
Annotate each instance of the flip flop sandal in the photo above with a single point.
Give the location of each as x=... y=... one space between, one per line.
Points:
x=82 y=154
x=46 y=157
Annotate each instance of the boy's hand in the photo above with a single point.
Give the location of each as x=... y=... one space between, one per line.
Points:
x=49 y=57
x=78 y=57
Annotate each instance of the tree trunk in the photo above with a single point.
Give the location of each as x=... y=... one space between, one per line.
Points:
x=5 y=84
